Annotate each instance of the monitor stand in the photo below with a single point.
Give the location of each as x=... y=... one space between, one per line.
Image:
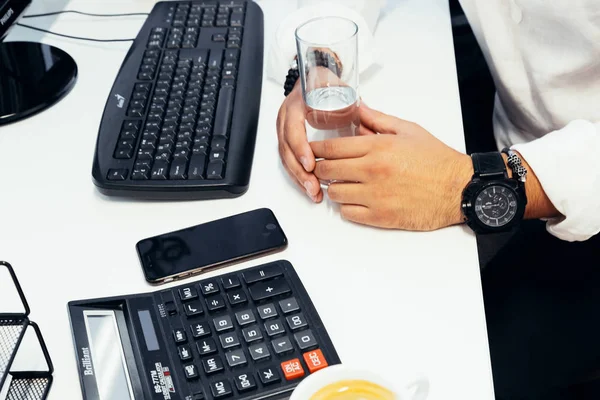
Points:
x=33 y=77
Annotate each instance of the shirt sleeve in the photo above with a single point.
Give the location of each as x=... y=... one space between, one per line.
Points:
x=566 y=164
x=283 y=47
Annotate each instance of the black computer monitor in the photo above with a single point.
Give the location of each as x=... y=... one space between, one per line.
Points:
x=33 y=76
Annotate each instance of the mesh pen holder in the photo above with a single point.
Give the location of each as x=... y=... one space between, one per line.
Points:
x=21 y=385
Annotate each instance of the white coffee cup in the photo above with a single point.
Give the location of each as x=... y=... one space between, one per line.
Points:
x=415 y=390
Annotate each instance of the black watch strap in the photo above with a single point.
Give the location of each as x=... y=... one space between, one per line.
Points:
x=489 y=166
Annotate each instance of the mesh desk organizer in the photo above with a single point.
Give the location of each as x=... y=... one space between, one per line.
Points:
x=20 y=384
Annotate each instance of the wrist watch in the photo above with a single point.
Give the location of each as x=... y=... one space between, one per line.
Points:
x=492 y=202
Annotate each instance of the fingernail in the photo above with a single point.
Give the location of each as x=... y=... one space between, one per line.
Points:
x=309 y=187
x=304 y=162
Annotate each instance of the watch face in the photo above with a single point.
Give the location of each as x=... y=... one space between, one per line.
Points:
x=496 y=206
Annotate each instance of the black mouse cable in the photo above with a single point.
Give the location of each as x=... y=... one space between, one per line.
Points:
x=73 y=37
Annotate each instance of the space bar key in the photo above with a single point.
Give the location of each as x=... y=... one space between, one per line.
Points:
x=224 y=111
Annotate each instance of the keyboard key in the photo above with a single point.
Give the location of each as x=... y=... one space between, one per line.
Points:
x=235 y=358
x=206 y=346
x=262 y=273
x=252 y=334
x=215 y=303
x=296 y=322
x=237 y=19
x=184 y=353
x=218 y=37
x=292 y=369
x=215 y=59
x=229 y=340
x=215 y=170
x=237 y=297
x=268 y=375
x=223 y=112
x=289 y=305
x=212 y=364
x=233 y=44
x=178 y=169
x=193 y=308
x=267 y=311
x=274 y=327
x=221 y=389
x=188 y=293
x=191 y=372
x=265 y=290
x=305 y=339
x=221 y=22
x=197 y=166
x=259 y=351
x=282 y=345
x=117 y=174
x=179 y=335
x=159 y=171
x=209 y=287
x=140 y=173
x=200 y=329
x=223 y=323
x=244 y=382
x=218 y=143
x=315 y=360
x=245 y=317
x=230 y=282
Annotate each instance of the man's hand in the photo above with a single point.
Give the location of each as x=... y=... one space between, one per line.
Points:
x=296 y=154
x=404 y=178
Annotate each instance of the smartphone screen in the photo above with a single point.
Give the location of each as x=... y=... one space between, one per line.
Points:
x=167 y=257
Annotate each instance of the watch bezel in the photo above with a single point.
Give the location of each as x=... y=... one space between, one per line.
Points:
x=477 y=186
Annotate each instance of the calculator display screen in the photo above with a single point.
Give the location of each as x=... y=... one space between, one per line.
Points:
x=107 y=354
x=148 y=330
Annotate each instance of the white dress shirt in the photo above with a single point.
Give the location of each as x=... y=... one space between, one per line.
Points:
x=544 y=57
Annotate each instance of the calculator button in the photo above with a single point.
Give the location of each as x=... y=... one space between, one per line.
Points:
x=230 y=282
x=315 y=360
x=237 y=297
x=221 y=389
x=171 y=307
x=296 y=321
x=292 y=369
x=252 y=333
x=212 y=364
x=179 y=336
x=289 y=305
x=184 y=353
x=244 y=382
x=260 y=274
x=282 y=345
x=193 y=308
x=267 y=311
x=274 y=327
x=229 y=340
x=209 y=287
x=200 y=329
x=265 y=290
x=206 y=346
x=191 y=372
x=235 y=358
x=215 y=302
x=245 y=317
x=259 y=351
x=223 y=323
x=188 y=293
x=305 y=339
x=198 y=396
x=268 y=376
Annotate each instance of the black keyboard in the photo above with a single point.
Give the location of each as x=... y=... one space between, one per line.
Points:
x=180 y=121
x=253 y=334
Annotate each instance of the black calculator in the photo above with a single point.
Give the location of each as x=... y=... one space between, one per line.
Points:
x=252 y=334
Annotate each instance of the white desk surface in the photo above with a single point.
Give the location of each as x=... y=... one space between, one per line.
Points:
x=393 y=302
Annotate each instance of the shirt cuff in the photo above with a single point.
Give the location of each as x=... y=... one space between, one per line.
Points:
x=565 y=162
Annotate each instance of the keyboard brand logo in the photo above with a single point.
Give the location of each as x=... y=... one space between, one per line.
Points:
x=6 y=16
x=120 y=100
x=86 y=362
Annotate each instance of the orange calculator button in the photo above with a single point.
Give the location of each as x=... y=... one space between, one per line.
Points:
x=292 y=369
x=315 y=360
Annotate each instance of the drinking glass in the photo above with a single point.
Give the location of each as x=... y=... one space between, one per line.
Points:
x=330 y=94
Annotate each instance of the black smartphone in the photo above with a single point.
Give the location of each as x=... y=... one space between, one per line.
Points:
x=194 y=250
